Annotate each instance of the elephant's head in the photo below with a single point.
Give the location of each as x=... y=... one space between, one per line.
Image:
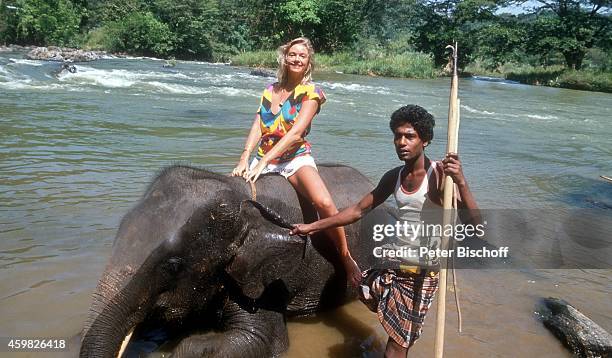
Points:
x=267 y=254
x=173 y=253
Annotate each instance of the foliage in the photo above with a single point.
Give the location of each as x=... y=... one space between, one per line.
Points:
x=301 y=16
x=341 y=23
x=380 y=37
x=105 y=11
x=98 y=39
x=481 y=67
x=600 y=59
x=440 y=23
x=41 y=22
x=331 y=24
x=535 y=75
x=571 y=27
x=586 y=80
x=142 y=34
x=558 y=76
x=499 y=43
x=409 y=65
x=193 y=24
x=256 y=59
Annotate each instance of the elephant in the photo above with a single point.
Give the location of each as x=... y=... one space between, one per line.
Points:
x=195 y=251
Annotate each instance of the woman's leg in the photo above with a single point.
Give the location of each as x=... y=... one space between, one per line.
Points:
x=308 y=183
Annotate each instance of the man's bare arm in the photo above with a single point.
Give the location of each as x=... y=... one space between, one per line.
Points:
x=385 y=187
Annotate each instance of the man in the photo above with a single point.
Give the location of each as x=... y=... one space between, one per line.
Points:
x=402 y=295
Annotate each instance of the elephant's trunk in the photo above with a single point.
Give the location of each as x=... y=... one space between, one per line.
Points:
x=116 y=309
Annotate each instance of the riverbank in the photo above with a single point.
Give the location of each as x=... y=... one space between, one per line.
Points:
x=551 y=76
x=415 y=65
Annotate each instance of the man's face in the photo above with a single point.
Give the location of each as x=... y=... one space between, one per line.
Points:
x=408 y=144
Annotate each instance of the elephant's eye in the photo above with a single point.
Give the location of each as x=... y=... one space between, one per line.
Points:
x=173 y=264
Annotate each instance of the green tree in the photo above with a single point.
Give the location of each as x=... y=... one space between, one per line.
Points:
x=104 y=11
x=265 y=29
x=140 y=33
x=571 y=27
x=341 y=24
x=233 y=31
x=41 y=22
x=440 y=23
x=301 y=16
x=331 y=24
x=195 y=24
x=499 y=42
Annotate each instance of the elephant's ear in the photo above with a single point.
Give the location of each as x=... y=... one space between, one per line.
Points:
x=267 y=254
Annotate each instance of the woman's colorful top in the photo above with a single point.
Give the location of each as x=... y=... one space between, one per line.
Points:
x=275 y=126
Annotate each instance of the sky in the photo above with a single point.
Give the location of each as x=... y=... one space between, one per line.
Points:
x=518 y=9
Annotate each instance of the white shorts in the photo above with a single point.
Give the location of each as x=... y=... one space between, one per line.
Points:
x=287 y=169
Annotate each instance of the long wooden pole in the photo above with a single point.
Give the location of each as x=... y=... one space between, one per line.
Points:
x=451 y=147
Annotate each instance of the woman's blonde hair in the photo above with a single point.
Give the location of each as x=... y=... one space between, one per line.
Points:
x=281 y=73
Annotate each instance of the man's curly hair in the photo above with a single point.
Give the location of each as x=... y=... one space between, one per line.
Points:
x=421 y=120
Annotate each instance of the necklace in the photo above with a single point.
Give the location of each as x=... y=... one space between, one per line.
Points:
x=284 y=91
x=282 y=98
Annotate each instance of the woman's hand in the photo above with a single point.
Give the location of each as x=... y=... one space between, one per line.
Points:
x=252 y=175
x=242 y=168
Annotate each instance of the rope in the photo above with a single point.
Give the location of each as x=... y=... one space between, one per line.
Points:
x=253 y=191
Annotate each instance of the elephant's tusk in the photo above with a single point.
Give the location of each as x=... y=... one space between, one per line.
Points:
x=125 y=343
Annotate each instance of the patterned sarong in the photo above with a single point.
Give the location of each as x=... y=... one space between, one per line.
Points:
x=401 y=301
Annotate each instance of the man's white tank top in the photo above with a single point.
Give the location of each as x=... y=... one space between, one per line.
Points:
x=413 y=208
x=411 y=204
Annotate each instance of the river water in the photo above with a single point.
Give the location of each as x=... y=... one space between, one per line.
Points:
x=78 y=149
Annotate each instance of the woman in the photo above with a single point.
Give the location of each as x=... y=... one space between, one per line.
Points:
x=283 y=119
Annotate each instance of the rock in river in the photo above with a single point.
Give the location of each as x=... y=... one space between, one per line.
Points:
x=62 y=54
x=582 y=336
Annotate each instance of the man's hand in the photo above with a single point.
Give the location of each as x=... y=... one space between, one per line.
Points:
x=452 y=168
x=353 y=272
x=302 y=229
